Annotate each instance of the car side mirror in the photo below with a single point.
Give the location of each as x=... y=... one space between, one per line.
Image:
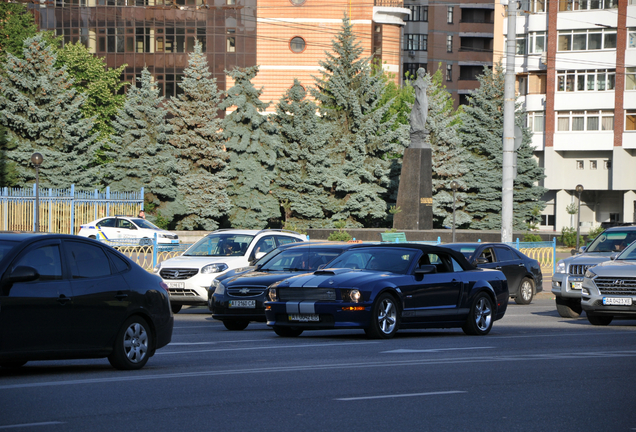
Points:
x=321 y=266
x=614 y=256
x=582 y=249
x=23 y=274
x=425 y=269
x=481 y=260
x=259 y=255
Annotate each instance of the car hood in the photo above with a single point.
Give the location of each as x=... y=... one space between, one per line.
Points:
x=617 y=268
x=588 y=258
x=336 y=278
x=259 y=278
x=196 y=261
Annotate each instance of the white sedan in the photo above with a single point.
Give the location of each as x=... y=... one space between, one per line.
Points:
x=125 y=227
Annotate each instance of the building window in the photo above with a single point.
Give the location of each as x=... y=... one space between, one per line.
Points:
x=576 y=5
x=415 y=42
x=586 y=80
x=630 y=78
x=536 y=121
x=449 y=15
x=449 y=72
x=410 y=70
x=532 y=6
x=579 y=165
x=297 y=44
x=607 y=164
x=631 y=37
x=231 y=41
x=418 y=13
x=592 y=164
x=449 y=43
x=585 y=121
x=470 y=73
x=630 y=120
x=586 y=40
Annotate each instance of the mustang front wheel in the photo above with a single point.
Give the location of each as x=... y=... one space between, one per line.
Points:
x=384 y=318
x=133 y=345
x=479 y=320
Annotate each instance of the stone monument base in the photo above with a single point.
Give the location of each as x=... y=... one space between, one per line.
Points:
x=415 y=192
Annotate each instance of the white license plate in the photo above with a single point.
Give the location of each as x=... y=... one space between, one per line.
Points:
x=175 y=284
x=622 y=301
x=577 y=285
x=250 y=304
x=304 y=317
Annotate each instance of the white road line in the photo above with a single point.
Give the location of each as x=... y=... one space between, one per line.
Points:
x=400 y=395
x=264 y=347
x=31 y=425
x=127 y=378
x=404 y=351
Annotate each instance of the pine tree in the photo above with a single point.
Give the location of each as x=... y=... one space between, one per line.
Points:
x=349 y=95
x=7 y=168
x=448 y=156
x=252 y=142
x=43 y=112
x=303 y=162
x=482 y=132
x=16 y=25
x=203 y=159
x=141 y=153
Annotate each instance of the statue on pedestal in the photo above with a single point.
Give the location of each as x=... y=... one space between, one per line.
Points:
x=419 y=112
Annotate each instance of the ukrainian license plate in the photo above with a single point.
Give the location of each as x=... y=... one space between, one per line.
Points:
x=577 y=285
x=174 y=241
x=621 y=301
x=304 y=317
x=250 y=304
x=175 y=284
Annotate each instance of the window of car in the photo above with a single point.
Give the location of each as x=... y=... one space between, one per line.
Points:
x=443 y=262
x=298 y=260
x=392 y=260
x=265 y=244
x=215 y=244
x=125 y=224
x=286 y=240
x=143 y=223
x=107 y=223
x=612 y=241
x=504 y=254
x=6 y=247
x=87 y=260
x=487 y=254
x=44 y=259
x=120 y=264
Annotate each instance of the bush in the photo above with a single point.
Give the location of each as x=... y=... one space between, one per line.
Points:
x=568 y=236
x=291 y=226
x=530 y=237
x=594 y=232
x=339 y=236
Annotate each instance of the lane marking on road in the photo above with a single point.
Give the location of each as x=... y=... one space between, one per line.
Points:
x=213 y=343
x=127 y=378
x=266 y=347
x=433 y=350
x=400 y=395
x=24 y=425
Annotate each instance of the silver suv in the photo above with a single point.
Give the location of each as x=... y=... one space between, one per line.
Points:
x=567 y=281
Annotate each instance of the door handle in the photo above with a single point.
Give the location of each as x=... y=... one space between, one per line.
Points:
x=498 y=268
x=120 y=296
x=62 y=299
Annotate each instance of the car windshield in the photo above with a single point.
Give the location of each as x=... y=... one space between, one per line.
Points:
x=5 y=248
x=300 y=259
x=220 y=245
x=629 y=254
x=612 y=241
x=392 y=260
x=143 y=223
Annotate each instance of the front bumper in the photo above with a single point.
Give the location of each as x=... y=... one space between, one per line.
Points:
x=192 y=291
x=219 y=305
x=331 y=315
x=568 y=286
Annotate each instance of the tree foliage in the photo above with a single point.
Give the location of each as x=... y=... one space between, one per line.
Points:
x=203 y=159
x=16 y=25
x=252 y=142
x=43 y=112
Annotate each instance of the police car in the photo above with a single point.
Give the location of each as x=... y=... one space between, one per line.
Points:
x=125 y=227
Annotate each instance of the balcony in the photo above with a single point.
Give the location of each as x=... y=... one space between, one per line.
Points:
x=390 y=12
x=389 y=3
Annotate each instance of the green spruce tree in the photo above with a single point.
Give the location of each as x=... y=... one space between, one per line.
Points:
x=252 y=142
x=140 y=152
x=203 y=159
x=349 y=95
x=16 y=25
x=7 y=168
x=304 y=160
x=43 y=113
x=482 y=137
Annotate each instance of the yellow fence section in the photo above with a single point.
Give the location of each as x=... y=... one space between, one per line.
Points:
x=143 y=255
x=545 y=256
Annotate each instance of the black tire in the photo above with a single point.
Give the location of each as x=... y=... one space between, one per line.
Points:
x=133 y=345
x=145 y=242
x=92 y=237
x=13 y=364
x=385 y=318
x=525 y=292
x=569 y=308
x=175 y=308
x=599 y=320
x=480 y=317
x=236 y=324
x=287 y=331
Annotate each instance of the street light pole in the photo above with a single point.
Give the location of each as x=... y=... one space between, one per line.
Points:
x=454 y=186
x=579 y=191
x=36 y=160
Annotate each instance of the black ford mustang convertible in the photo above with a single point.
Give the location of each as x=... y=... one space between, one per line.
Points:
x=382 y=288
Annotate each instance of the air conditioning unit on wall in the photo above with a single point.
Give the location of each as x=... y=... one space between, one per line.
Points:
x=412 y=53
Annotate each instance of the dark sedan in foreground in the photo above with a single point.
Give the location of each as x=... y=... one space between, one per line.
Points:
x=67 y=297
x=382 y=288
x=523 y=273
x=237 y=300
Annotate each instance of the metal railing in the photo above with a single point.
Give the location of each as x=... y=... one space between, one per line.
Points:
x=146 y=252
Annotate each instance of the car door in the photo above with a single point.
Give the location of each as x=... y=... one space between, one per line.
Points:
x=101 y=297
x=265 y=244
x=36 y=316
x=511 y=265
x=127 y=229
x=107 y=228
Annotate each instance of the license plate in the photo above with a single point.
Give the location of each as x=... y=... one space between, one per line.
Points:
x=175 y=284
x=577 y=285
x=622 y=301
x=174 y=241
x=304 y=317
x=250 y=304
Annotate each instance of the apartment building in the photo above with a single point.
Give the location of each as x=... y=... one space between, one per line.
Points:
x=576 y=77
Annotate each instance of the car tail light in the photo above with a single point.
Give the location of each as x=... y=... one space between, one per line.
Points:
x=163 y=285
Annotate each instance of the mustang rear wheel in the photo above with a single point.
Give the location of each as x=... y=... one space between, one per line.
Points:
x=599 y=320
x=384 y=318
x=175 y=308
x=287 y=331
x=236 y=324
x=480 y=318
x=133 y=345
x=568 y=308
x=526 y=292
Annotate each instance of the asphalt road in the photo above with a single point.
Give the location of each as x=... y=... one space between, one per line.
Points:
x=534 y=372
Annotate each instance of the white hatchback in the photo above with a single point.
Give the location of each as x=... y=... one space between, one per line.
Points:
x=124 y=227
x=190 y=275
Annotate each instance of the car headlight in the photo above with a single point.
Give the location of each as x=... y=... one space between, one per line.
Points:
x=214 y=268
x=590 y=274
x=162 y=236
x=560 y=268
x=351 y=295
x=219 y=288
x=271 y=294
x=156 y=268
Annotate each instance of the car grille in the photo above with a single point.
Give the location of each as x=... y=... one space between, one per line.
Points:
x=616 y=285
x=245 y=291
x=177 y=274
x=302 y=294
x=579 y=269
x=182 y=292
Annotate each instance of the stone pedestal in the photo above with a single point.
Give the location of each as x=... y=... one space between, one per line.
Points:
x=415 y=192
